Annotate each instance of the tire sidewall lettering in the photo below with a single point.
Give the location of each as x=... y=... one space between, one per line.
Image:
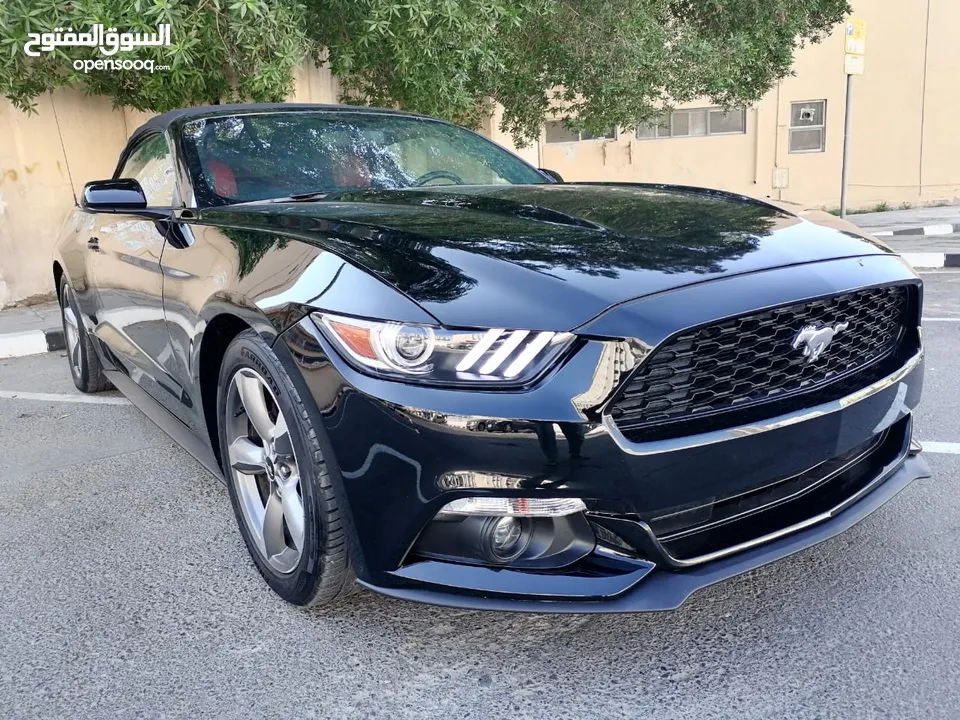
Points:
x=251 y=357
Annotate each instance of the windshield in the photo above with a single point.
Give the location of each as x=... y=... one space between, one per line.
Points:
x=243 y=158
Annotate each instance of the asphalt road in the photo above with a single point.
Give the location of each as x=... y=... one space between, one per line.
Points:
x=125 y=591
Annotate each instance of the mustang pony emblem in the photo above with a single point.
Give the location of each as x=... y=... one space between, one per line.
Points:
x=815 y=339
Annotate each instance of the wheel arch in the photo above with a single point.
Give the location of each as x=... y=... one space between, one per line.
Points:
x=222 y=320
x=219 y=332
x=57 y=274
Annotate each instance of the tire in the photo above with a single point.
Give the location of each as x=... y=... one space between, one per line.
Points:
x=85 y=368
x=256 y=392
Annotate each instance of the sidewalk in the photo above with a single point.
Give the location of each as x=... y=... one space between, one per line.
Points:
x=30 y=331
x=917 y=221
x=926 y=237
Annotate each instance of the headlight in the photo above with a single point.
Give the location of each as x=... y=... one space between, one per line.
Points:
x=443 y=356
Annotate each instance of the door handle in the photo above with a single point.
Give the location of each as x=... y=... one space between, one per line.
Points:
x=93 y=244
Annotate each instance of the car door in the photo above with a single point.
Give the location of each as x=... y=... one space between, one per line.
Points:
x=125 y=252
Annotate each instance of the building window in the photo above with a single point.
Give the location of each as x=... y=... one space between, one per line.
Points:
x=807 y=123
x=720 y=122
x=694 y=123
x=557 y=132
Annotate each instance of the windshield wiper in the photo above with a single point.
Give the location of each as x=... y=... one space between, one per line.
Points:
x=302 y=197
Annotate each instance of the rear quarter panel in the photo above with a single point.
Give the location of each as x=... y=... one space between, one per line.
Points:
x=70 y=253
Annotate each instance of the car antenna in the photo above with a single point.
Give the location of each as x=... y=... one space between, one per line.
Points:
x=66 y=161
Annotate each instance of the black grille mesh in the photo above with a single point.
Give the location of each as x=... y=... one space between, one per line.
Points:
x=750 y=360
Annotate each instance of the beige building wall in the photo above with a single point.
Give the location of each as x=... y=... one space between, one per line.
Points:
x=905 y=144
x=45 y=159
x=941 y=116
x=35 y=188
x=906 y=147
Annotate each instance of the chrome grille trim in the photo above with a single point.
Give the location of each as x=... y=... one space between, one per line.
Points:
x=691 y=441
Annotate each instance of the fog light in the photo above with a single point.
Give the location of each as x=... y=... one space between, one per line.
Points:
x=506 y=533
x=504 y=538
x=519 y=507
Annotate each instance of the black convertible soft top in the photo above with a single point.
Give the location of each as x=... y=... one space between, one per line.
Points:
x=165 y=120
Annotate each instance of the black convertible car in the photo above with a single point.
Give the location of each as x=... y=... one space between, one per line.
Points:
x=421 y=364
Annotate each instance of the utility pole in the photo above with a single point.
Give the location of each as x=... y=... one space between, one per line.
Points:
x=855 y=44
x=845 y=166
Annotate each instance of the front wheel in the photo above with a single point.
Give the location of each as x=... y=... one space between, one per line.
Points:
x=279 y=486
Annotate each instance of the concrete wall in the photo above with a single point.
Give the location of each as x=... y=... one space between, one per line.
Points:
x=906 y=147
x=46 y=158
x=35 y=187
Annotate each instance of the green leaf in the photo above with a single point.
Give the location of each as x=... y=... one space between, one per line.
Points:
x=608 y=62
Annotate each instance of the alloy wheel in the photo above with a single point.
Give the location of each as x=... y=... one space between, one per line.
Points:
x=72 y=333
x=264 y=469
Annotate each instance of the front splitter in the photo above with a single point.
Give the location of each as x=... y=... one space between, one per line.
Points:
x=663 y=590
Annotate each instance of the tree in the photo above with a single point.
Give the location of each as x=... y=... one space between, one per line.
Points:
x=604 y=62
x=221 y=50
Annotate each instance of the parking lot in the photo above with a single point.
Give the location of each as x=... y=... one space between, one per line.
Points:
x=125 y=590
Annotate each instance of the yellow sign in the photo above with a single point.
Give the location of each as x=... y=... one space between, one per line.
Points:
x=855 y=36
x=853 y=64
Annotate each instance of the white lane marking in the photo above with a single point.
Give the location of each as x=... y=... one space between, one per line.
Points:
x=64 y=398
x=33 y=342
x=926 y=319
x=883 y=233
x=941 y=447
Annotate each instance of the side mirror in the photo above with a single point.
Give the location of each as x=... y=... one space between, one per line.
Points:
x=552 y=174
x=113 y=196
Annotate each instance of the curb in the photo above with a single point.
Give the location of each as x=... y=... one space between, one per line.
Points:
x=33 y=342
x=939 y=229
x=932 y=259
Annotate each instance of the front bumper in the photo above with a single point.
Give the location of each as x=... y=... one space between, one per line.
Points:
x=652 y=591
x=398 y=453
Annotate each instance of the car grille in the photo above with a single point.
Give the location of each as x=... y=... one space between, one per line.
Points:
x=710 y=377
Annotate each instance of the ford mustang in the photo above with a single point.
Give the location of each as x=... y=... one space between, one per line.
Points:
x=424 y=366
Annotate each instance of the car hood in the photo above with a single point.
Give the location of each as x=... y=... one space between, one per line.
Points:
x=550 y=256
